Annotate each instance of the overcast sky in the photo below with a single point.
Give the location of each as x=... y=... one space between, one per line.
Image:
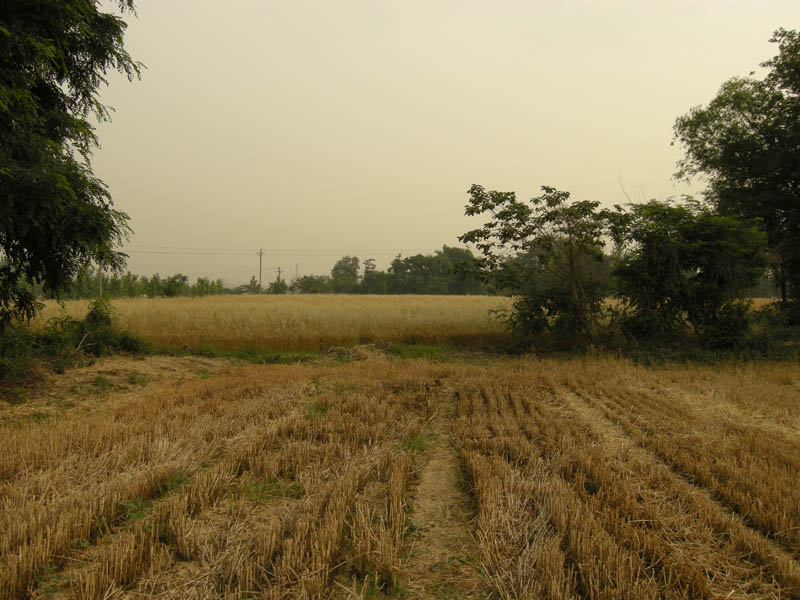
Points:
x=315 y=129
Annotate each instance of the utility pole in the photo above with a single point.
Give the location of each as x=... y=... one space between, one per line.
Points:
x=279 y=273
x=100 y=278
x=260 y=254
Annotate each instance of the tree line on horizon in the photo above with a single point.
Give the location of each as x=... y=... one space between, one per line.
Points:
x=450 y=271
x=446 y=271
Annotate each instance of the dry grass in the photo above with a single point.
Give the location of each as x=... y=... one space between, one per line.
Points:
x=589 y=480
x=303 y=322
x=601 y=480
x=259 y=477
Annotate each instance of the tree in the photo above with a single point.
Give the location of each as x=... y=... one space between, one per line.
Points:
x=446 y=271
x=344 y=275
x=746 y=142
x=55 y=215
x=464 y=271
x=176 y=285
x=684 y=263
x=546 y=254
x=373 y=281
x=129 y=285
x=207 y=287
x=154 y=287
x=252 y=287
x=311 y=284
x=279 y=286
x=419 y=274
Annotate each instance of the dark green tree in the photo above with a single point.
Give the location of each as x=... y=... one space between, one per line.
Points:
x=419 y=274
x=83 y=285
x=465 y=276
x=55 y=215
x=279 y=286
x=311 y=284
x=446 y=271
x=373 y=281
x=208 y=287
x=685 y=264
x=176 y=285
x=546 y=253
x=746 y=142
x=344 y=275
x=130 y=285
x=252 y=287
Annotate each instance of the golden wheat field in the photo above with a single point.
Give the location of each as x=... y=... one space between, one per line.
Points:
x=386 y=478
x=302 y=322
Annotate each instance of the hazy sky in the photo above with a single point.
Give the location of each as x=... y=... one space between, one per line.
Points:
x=319 y=129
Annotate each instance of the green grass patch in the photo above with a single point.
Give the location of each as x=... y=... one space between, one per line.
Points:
x=317 y=410
x=340 y=388
x=175 y=481
x=377 y=586
x=36 y=417
x=204 y=373
x=16 y=395
x=419 y=442
x=103 y=384
x=258 y=356
x=81 y=543
x=136 y=508
x=136 y=379
x=48 y=581
x=422 y=351
x=133 y=510
x=261 y=490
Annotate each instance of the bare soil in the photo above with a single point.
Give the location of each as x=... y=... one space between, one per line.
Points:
x=442 y=555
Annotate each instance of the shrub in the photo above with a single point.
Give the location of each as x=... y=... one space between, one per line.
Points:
x=683 y=264
x=727 y=327
x=64 y=342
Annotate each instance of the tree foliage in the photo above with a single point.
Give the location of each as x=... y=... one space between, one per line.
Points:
x=546 y=253
x=684 y=264
x=55 y=215
x=673 y=265
x=279 y=286
x=344 y=275
x=129 y=285
x=746 y=142
x=311 y=284
x=446 y=271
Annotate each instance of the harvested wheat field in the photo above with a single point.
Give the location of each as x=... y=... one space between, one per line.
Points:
x=520 y=478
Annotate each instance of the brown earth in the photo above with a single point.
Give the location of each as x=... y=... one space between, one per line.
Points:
x=442 y=555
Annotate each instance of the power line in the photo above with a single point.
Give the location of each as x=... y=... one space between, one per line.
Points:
x=146 y=248
x=134 y=251
x=185 y=253
x=157 y=247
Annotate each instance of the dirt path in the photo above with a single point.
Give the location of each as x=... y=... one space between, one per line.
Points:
x=442 y=554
